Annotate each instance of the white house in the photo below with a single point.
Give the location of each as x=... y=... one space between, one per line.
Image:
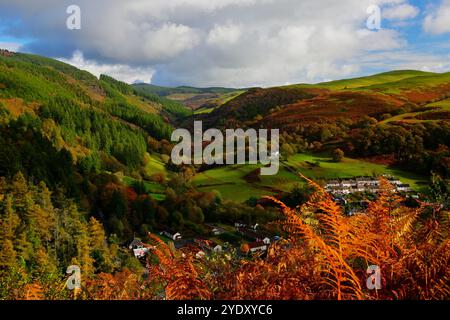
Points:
x=404 y=188
x=217 y=231
x=258 y=246
x=138 y=247
x=172 y=235
x=200 y=255
x=140 y=252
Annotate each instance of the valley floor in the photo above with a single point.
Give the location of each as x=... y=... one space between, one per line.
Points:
x=240 y=182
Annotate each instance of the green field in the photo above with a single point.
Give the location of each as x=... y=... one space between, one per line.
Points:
x=443 y=105
x=348 y=168
x=369 y=81
x=379 y=79
x=155 y=165
x=153 y=189
x=231 y=183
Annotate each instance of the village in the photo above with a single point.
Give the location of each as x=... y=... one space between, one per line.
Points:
x=363 y=184
x=257 y=241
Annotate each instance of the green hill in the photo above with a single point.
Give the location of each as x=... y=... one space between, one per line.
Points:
x=382 y=78
x=103 y=123
x=167 y=91
x=202 y=100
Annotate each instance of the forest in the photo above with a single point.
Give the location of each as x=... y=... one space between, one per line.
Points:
x=324 y=256
x=85 y=169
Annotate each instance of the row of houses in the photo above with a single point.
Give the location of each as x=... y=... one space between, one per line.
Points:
x=363 y=184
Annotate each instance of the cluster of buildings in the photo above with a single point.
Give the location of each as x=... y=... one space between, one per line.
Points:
x=363 y=184
x=257 y=241
x=260 y=241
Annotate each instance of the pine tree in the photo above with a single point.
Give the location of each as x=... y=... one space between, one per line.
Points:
x=8 y=224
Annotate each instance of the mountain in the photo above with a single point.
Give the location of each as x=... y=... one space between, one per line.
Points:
x=202 y=100
x=386 y=95
x=103 y=124
x=167 y=91
x=85 y=170
x=399 y=118
x=381 y=78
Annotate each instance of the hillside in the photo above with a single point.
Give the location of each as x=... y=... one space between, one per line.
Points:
x=381 y=78
x=104 y=124
x=398 y=118
x=376 y=96
x=202 y=100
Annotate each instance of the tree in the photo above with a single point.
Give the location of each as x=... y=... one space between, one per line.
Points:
x=98 y=245
x=9 y=221
x=338 y=155
x=287 y=150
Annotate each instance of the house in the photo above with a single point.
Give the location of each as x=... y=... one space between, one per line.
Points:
x=258 y=246
x=140 y=250
x=333 y=183
x=217 y=231
x=200 y=255
x=136 y=243
x=214 y=230
x=208 y=246
x=171 y=234
x=348 y=183
x=404 y=188
x=362 y=184
x=368 y=181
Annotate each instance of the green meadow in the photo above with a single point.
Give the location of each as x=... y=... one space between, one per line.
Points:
x=155 y=165
x=155 y=190
x=231 y=181
x=348 y=168
x=367 y=82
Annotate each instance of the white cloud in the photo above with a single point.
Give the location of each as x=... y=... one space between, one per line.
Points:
x=217 y=42
x=222 y=35
x=400 y=12
x=438 y=20
x=10 y=46
x=408 y=60
x=120 y=72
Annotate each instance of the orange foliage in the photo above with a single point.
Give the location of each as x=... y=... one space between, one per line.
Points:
x=177 y=274
x=123 y=285
x=325 y=255
x=327 y=259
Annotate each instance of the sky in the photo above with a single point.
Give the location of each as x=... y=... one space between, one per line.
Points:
x=233 y=43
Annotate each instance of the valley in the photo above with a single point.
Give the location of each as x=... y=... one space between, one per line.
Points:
x=90 y=159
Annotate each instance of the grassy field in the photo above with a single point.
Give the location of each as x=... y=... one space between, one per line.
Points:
x=348 y=168
x=153 y=189
x=421 y=81
x=443 y=105
x=231 y=183
x=373 y=80
x=378 y=79
x=155 y=165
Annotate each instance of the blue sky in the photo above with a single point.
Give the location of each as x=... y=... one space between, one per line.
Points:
x=234 y=43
